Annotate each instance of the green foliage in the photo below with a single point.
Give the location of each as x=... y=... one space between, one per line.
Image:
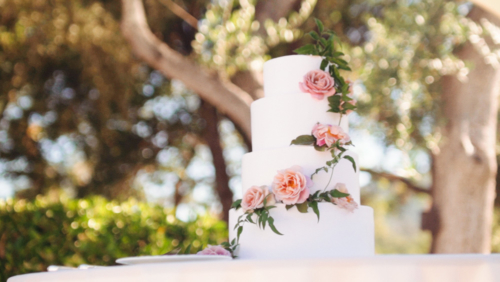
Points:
x=304 y=140
x=409 y=49
x=332 y=59
x=71 y=78
x=35 y=234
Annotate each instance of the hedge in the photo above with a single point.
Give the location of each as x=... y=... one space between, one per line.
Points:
x=39 y=233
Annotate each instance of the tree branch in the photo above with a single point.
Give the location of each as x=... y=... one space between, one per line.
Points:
x=249 y=80
x=392 y=177
x=181 y=13
x=228 y=98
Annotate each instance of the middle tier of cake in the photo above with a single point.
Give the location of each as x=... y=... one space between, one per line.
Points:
x=259 y=168
x=277 y=120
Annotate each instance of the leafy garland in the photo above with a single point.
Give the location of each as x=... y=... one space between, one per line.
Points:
x=264 y=218
x=338 y=103
x=325 y=47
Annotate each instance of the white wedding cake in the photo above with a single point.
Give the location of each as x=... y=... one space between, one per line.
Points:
x=285 y=113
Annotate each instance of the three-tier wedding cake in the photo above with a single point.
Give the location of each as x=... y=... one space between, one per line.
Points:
x=286 y=177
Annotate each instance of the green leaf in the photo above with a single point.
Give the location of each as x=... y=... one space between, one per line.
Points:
x=314 y=206
x=270 y=220
x=236 y=204
x=259 y=221
x=320 y=148
x=328 y=49
x=264 y=217
x=315 y=195
x=302 y=207
x=320 y=25
x=188 y=249
x=289 y=207
x=270 y=208
x=324 y=64
x=349 y=158
x=303 y=140
x=325 y=197
x=324 y=42
x=240 y=229
x=308 y=49
x=344 y=67
x=249 y=218
x=319 y=169
x=337 y=194
x=314 y=35
x=334 y=103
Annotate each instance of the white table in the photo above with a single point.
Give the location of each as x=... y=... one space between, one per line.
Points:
x=383 y=268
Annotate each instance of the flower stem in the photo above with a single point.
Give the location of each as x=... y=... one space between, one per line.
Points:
x=340 y=119
x=331 y=176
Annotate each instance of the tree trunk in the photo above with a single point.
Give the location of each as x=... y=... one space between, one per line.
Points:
x=209 y=113
x=465 y=166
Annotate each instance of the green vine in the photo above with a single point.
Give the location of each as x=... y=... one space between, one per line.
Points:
x=325 y=47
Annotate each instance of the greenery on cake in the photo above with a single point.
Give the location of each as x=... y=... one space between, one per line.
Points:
x=291 y=186
x=327 y=45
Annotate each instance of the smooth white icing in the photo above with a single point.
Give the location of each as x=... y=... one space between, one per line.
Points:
x=284 y=114
x=282 y=75
x=339 y=233
x=277 y=120
x=259 y=168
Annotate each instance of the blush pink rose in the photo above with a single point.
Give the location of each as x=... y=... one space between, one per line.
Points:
x=214 y=251
x=318 y=83
x=329 y=134
x=291 y=186
x=254 y=198
x=348 y=202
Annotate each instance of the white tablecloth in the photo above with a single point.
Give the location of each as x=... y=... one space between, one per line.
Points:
x=383 y=268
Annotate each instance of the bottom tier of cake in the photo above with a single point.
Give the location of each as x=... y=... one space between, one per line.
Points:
x=339 y=233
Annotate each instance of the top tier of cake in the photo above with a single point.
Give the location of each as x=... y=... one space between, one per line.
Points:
x=286 y=112
x=283 y=74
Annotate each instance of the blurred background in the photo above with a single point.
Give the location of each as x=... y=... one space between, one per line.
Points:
x=105 y=153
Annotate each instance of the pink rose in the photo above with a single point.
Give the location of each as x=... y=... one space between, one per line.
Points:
x=254 y=198
x=291 y=186
x=348 y=202
x=318 y=83
x=329 y=134
x=214 y=251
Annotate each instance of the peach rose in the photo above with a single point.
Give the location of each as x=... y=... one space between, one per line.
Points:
x=318 y=83
x=329 y=134
x=291 y=186
x=348 y=202
x=214 y=251
x=254 y=198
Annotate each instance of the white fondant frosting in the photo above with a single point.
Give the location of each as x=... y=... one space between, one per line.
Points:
x=338 y=233
x=278 y=118
x=259 y=168
x=282 y=75
x=276 y=121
